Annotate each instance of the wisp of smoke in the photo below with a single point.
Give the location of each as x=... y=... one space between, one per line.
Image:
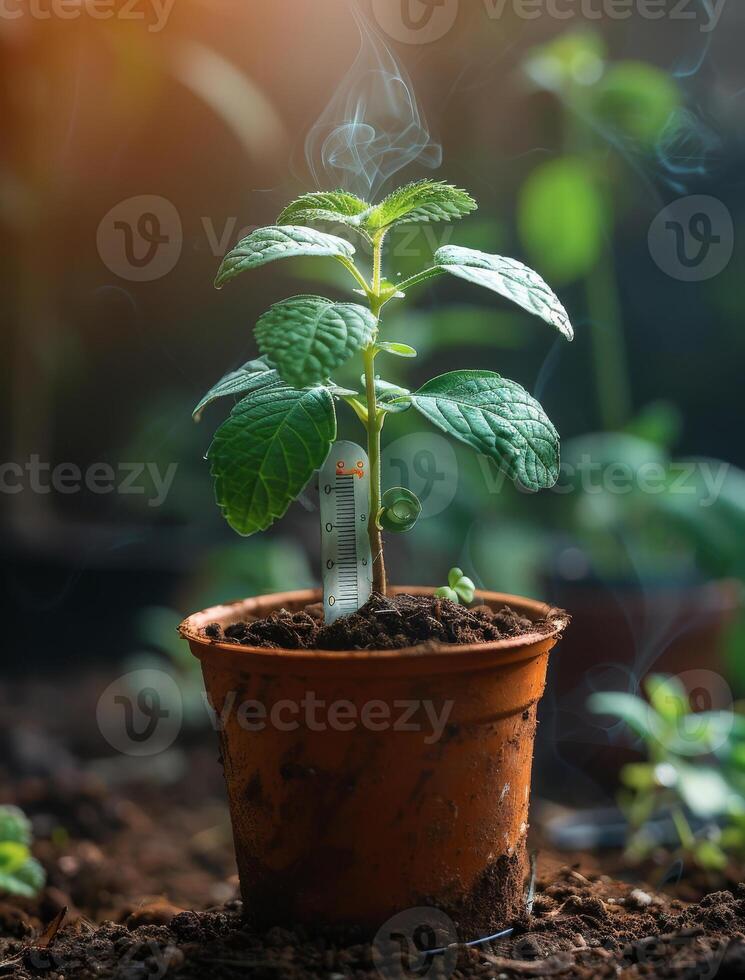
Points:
x=373 y=127
x=685 y=148
x=692 y=65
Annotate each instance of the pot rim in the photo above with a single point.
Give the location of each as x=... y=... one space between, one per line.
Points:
x=438 y=657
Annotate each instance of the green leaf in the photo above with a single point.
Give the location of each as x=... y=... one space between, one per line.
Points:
x=14 y=825
x=391 y=398
x=638 y=775
x=26 y=881
x=561 y=217
x=424 y=200
x=710 y=856
x=700 y=733
x=400 y=510
x=510 y=279
x=668 y=697
x=338 y=207
x=252 y=376
x=340 y=392
x=495 y=417
x=574 y=58
x=264 y=454
x=704 y=790
x=12 y=856
x=634 y=711
x=461 y=585
x=20 y=874
x=400 y=350
x=445 y=592
x=638 y=99
x=279 y=242
x=308 y=337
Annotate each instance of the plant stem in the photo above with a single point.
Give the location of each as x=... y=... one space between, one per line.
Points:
x=374 y=426
x=373 y=451
x=601 y=288
x=609 y=350
x=683 y=828
x=377 y=264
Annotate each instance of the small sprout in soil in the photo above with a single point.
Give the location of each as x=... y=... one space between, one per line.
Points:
x=280 y=431
x=694 y=773
x=460 y=588
x=20 y=873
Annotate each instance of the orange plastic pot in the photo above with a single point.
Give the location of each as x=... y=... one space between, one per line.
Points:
x=364 y=783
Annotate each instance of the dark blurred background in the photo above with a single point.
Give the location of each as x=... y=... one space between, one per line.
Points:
x=603 y=141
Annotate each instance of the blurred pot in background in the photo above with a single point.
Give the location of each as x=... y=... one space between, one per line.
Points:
x=651 y=565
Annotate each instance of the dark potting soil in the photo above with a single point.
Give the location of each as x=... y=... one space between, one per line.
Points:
x=383 y=623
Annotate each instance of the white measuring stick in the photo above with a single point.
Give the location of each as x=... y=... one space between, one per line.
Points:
x=345 y=546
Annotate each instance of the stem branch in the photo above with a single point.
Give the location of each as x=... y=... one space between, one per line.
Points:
x=420 y=277
x=352 y=268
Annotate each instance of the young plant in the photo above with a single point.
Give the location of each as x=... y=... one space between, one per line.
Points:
x=694 y=772
x=281 y=430
x=459 y=588
x=20 y=873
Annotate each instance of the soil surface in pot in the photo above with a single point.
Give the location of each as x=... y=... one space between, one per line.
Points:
x=383 y=623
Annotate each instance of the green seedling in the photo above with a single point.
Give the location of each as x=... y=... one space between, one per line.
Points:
x=460 y=588
x=20 y=873
x=694 y=770
x=281 y=430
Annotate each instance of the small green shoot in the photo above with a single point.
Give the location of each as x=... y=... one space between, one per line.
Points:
x=460 y=588
x=20 y=873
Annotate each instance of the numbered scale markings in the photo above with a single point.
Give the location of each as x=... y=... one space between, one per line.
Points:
x=345 y=546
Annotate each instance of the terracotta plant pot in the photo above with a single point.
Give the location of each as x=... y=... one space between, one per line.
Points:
x=351 y=812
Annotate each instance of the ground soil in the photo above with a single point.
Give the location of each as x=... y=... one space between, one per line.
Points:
x=383 y=623
x=581 y=926
x=140 y=856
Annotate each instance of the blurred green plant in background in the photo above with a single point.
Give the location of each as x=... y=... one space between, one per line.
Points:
x=568 y=206
x=695 y=769
x=20 y=873
x=683 y=525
